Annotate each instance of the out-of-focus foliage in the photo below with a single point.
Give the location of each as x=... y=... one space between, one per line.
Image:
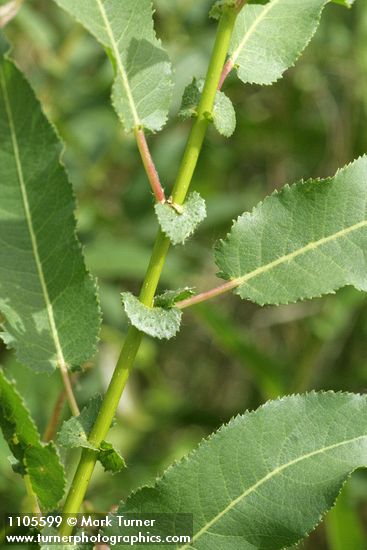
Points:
x=230 y=355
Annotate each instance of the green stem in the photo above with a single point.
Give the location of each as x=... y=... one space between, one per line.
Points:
x=126 y=360
x=35 y=509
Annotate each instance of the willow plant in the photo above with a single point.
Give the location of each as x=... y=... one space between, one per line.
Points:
x=265 y=479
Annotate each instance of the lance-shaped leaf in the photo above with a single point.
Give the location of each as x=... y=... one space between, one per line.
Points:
x=307 y=240
x=39 y=461
x=269 y=38
x=170 y=297
x=180 y=222
x=265 y=479
x=143 y=84
x=158 y=322
x=46 y=296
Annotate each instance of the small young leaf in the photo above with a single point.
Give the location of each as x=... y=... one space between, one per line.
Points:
x=35 y=459
x=268 y=39
x=265 y=479
x=75 y=431
x=143 y=85
x=307 y=240
x=157 y=321
x=223 y=116
x=46 y=295
x=178 y=225
x=170 y=297
x=110 y=459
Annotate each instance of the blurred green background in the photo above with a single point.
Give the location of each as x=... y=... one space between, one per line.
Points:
x=230 y=355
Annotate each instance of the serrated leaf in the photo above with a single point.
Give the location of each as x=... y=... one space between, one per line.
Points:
x=110 y=459
x=46 y=295
x=170 y=297
x=223 y=116
x=178 y=223
x=143 y=86
x=268 y=39
x=157 y=322
x=307 y=240
x=265 y=479
x=75 y=431
x=35 y=459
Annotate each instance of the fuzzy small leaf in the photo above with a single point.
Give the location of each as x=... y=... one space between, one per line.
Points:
x=265 y=479
x=268 y=39
x=307 y=240
x=46 y=295
x=143 y=85
x=223 y=116
x=158 y=322
x=110 y=459
x=179 y=225
x=35 y=459
x=170 y=297
x=75 y=431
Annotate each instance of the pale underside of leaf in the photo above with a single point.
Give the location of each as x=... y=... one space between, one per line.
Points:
x=42 y=274
x=268 y=39
x=158 y=322
x=143 y=84
x=265 y=479
x=180 y=222
x=307 y=240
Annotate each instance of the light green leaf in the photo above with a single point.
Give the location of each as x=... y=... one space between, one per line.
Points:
x=110 y=459
x=158 y=322
x=346 y=3
x=268 y=39
x=223 y=115
x=35 y=459
x=143 y=85
x=75 y=431
x=265 y=479
x=170 y=297
x=179 y=222
x=46 y=296
x=307 y=240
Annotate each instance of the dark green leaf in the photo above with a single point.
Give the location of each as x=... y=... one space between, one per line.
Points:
x=110 y=459
x=170 y=297
x=265 y=479
x=35 y=459
x=46 y=296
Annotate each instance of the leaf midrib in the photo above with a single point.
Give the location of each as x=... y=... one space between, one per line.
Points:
x=123 y=74
x=27 y=211
x=238 y=281
x=252 y=29
x=266 y=478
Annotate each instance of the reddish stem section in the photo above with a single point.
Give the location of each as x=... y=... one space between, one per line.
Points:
x=149 y=166
x=208 y=295
x=226 y=70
